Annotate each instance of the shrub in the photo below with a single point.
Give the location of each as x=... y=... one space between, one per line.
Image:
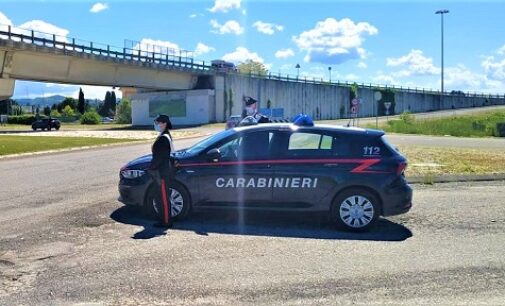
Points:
x=55 y=113
x=91 y=117
x=21 y=119
x=68 y=111
x=407 y=117
x=124 y=112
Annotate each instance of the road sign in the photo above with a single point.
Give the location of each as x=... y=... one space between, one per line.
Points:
x=387 y=105
x=354 y=101
x=354 y=109
x=377 y=95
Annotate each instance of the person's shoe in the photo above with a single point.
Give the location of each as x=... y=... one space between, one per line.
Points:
x=163 y=225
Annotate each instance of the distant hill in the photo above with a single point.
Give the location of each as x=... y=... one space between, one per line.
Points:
x=41 y=100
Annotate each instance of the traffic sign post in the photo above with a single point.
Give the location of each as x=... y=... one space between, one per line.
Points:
x=387 y=105
x=377 y=96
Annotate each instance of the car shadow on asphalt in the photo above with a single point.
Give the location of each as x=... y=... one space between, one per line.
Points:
x=268 y=224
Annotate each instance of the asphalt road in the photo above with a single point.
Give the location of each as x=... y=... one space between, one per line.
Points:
x=64 y=240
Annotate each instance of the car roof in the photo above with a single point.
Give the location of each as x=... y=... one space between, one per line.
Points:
x=315 y=128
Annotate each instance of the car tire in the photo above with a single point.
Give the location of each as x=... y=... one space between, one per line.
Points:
x=180 y=200
x=35 y=129
x=355 y=210
x=57 y=128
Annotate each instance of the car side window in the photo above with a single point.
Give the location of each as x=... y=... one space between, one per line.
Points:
x=249 y=146
x=303 y=144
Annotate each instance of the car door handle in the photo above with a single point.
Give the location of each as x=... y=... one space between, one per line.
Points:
x=331 y=165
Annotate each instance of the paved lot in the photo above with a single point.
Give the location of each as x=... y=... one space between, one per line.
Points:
x=64 y=239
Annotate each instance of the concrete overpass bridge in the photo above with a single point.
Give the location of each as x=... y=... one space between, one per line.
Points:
x=193 y=92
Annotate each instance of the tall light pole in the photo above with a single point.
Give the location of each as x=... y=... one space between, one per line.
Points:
x=297 y=70
x=329 y=71
x=442 y=12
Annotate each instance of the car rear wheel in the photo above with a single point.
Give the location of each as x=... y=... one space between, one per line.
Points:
x=179 y=199
x=355 y=210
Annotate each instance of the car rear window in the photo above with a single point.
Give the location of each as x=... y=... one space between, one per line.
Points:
x=358 y=147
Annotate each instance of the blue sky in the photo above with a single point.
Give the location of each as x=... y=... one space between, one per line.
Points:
x=393 y=42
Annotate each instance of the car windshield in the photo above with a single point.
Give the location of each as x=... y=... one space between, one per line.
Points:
x=202 y=145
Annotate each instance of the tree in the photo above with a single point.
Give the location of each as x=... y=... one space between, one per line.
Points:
x=71 y=102
x=105 y=109
x=6 y=106
x=113 y=101
x=252 y=67
x=124 y=112
x=47 y=110
x=81 y=104
x=68 y=111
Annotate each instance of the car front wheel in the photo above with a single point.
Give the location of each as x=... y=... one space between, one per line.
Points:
x=178 y=197
x=355 y=210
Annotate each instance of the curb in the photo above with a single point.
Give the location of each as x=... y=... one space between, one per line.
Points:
x=456 y=178
x=75 y=149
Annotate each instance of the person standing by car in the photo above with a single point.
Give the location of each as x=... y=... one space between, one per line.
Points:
x=162 y=168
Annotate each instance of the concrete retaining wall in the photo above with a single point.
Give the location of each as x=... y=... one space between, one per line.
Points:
x=324 y=101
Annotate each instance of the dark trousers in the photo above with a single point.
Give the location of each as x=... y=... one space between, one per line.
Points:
x=166 y=206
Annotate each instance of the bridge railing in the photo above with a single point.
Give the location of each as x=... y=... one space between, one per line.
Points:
x=180 y=60
x=65 y=43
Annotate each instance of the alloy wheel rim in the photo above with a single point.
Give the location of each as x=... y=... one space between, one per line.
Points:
x=356 y=211
x=176 y=201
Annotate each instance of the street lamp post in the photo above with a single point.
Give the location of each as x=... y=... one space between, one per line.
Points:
x=297 y=70
x=442 y=12
x=329 y=71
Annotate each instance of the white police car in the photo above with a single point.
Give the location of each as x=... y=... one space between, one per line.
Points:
x=351 y=173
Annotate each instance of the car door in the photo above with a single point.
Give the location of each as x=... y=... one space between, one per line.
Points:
x=241 y=174
x=305 y=170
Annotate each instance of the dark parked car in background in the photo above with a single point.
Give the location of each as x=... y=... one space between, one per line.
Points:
x=47 y=123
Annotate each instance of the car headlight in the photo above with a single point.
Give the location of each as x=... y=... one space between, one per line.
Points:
x=131 y=174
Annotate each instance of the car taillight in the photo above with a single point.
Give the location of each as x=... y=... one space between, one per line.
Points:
x=401 y=168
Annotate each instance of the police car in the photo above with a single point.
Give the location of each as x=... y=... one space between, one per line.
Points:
x=353 y=174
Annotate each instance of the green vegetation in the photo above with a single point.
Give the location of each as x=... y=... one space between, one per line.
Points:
x=252 y=67
x=23 y=144
x=429 y=161
x=90 y=117
x=476 y=125
x=124 y=112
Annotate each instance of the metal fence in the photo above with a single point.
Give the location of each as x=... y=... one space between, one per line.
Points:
x=172 y=57
x=136 y=53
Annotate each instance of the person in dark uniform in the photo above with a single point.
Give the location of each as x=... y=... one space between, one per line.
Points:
x=162 y=167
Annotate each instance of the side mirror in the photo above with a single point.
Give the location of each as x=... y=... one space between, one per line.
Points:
x=214 y=155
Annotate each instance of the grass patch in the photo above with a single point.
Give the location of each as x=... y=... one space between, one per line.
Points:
x=428 y=161
x=23 y=144
x=476 y=125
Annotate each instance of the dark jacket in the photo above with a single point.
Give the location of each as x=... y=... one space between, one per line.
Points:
x=161 y=160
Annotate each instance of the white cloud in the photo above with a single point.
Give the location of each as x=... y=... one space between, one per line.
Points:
x=202 y=48
x=242 y=54
x=98 y=7
x=415 y=63
x=225 y=5
x=334 y=42
x=501 y=51
x=350 y=77
x=46 y=28
x=244 y=12
x=193 y=16
x=284 y=53
x=267 y=28
x=383 y=78
x=4 y=20
x=494 y=69
x=461 y=78
x=229 y=27
x=362 y=65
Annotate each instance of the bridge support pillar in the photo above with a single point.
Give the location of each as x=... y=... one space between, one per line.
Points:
x=219 y=96
x=6 y=88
